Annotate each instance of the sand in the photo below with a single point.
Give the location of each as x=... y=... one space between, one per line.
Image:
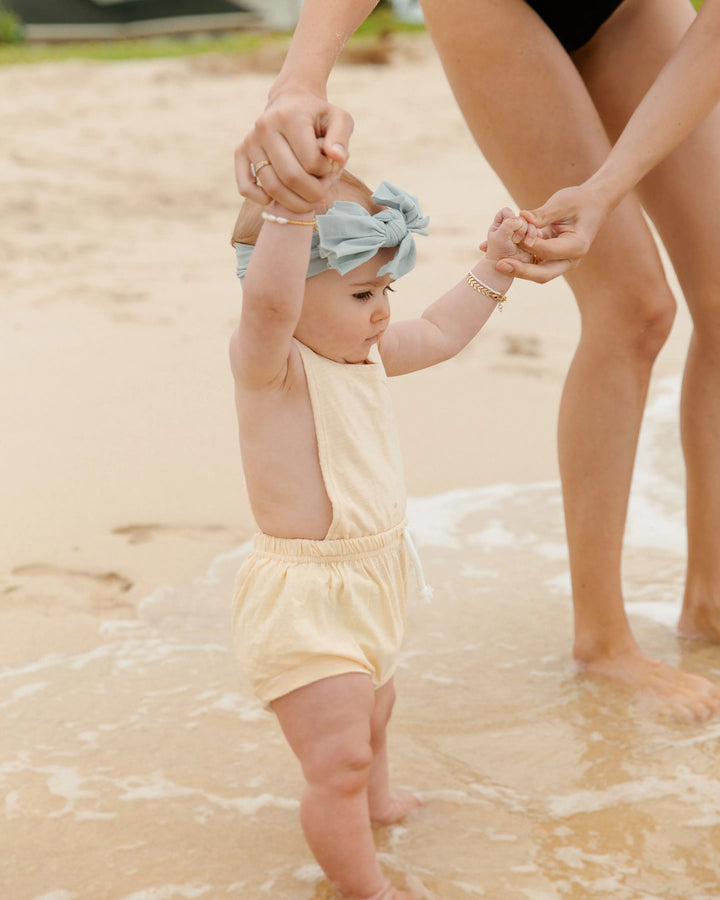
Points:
x=121 y=481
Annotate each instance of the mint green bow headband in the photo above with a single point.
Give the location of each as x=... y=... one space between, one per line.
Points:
x=347 y=235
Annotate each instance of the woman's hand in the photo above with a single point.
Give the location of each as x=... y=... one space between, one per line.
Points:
x=296 y=149
x=566 y=226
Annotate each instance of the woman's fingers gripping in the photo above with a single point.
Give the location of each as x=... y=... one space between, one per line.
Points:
x=295 y=151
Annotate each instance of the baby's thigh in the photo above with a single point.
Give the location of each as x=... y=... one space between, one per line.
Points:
x=328 y=723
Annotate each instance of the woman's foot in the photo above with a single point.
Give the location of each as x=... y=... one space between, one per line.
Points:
x=388 y=892
x=700 y=619
x=680 y=695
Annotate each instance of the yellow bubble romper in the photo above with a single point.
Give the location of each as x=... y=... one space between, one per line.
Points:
x=307 y=609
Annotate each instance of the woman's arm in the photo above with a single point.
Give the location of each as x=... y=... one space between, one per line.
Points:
x=304 y=137
x=322 y=31
x=683 y=94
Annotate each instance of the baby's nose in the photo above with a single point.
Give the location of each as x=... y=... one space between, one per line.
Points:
x=382 y=309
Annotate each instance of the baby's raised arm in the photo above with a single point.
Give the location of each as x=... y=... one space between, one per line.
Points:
x=273 y=291
x=453 y=320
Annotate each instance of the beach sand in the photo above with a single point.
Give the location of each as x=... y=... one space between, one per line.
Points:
x=134 y=763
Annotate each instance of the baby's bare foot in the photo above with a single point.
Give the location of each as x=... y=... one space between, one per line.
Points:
x=394 y=807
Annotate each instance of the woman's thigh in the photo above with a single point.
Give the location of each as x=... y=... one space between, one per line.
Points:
x=539 y=128
x=682 y=194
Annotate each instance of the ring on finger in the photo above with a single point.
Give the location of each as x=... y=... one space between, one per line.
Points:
x=255 y=169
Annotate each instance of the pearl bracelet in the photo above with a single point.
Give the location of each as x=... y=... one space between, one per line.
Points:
x=483 y=288
x=281 y=220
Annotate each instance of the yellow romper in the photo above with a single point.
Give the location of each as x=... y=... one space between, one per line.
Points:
x=306 y=609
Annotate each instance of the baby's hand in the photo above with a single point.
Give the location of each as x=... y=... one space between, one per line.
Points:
x=506 y=235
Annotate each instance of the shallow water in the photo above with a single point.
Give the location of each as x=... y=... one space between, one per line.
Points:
x=142 y=769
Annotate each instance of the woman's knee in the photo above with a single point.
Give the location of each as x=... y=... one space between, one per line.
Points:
x=640 y=319
x=654 y=322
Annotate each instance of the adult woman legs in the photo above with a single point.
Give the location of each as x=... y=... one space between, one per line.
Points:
x=537 y=125
x=682 y=196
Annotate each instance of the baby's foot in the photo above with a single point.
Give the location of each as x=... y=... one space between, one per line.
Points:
x=393 y=807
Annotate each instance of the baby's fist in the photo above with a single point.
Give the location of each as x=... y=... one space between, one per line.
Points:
x=506 y=236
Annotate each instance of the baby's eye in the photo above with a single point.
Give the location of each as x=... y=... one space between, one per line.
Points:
x=363 y=295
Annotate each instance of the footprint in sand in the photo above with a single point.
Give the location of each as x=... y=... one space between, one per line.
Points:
x=141 y=533
x=522 y=345
x=52 y=585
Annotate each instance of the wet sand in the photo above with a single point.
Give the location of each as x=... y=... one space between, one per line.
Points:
x=134 y=763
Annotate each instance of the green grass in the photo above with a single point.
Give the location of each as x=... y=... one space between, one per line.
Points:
x=382 y=20
x=145 y=48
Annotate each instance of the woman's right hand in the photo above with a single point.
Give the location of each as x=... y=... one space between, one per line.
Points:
x=304 y=140
x=567 y=224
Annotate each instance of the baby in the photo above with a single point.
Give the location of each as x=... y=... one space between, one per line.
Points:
x=320 y=604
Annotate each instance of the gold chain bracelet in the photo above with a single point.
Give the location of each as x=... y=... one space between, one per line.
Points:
x=482 y=288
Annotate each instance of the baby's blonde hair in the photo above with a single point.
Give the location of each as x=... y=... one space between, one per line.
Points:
x=347 y=187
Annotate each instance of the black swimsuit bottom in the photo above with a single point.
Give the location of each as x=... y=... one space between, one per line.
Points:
x=574 y=23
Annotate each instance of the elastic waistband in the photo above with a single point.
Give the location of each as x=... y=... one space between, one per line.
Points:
x=327 y=551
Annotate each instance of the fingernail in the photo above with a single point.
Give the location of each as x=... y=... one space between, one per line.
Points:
x=505 y=267
x=340 y=149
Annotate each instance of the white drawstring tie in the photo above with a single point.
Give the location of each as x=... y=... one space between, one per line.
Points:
x=426 y=591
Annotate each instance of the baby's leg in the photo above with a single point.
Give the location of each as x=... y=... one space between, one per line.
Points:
x=386 y=806
x=327 y=725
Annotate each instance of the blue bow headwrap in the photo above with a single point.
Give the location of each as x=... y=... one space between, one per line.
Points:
x=347 y=235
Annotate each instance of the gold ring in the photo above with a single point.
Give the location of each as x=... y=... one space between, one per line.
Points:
x=255 y=169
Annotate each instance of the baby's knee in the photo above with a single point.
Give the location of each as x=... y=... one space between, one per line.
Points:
x=340 y=764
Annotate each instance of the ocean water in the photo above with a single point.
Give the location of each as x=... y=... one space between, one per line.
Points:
x=143 y=769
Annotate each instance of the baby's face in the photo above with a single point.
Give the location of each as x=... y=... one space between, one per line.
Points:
x=344 y=315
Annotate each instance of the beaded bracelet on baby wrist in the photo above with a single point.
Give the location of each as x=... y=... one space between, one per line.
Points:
x=281 y=220
x=484 y=289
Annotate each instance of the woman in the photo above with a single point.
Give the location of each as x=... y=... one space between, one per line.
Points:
x=512 y=76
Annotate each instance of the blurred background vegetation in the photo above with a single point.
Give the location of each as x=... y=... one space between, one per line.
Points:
x=14 y=48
